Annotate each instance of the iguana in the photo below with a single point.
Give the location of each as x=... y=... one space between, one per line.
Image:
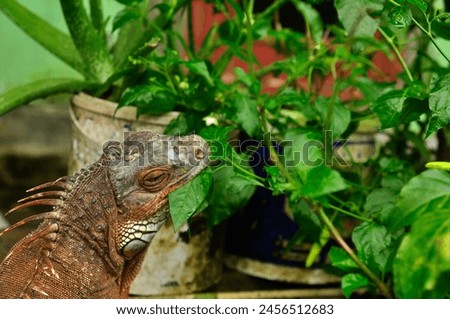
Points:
x=93 y=241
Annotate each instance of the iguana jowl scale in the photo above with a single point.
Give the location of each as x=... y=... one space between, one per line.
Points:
x=93 y=242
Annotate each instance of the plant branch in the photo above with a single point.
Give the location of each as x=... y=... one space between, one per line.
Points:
x=190 y=26
x=337 y=236
x=248 y=5
x=397 y=53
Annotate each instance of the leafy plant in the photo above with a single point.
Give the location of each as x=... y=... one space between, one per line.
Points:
x=104 y=64
x=386 y=197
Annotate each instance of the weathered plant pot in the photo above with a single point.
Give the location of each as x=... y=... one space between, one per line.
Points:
x=176 y=263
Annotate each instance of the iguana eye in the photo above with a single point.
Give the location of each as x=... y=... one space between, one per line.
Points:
x=154 y=179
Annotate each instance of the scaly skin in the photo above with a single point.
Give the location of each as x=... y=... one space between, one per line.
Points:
x=92 y=243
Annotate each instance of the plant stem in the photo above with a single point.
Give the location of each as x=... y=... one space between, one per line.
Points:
x=430 y=36
x=249 y=4
x=397 y=53
x=346 y=212
x=337 y=236
x=273 y=155
x=190 y=25
x=257 y=179
x=90 y=45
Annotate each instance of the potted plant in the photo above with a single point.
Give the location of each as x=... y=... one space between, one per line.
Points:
x=331 y=84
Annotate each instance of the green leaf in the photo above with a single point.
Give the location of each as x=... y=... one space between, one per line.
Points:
x=309 y=224
x=400 y=16
x=424 y=193
x=352 y=282
x=312 y=17
x=355 y=16
x=230 y=33
x=199 y=68
x=340 y=259
x=322 y=180
x=439 y=104
x=253 y=84
x=231 y=191
x=124 y=16
x=375 y=245
x=388 y=108
x=57 y=42
x=184 y=124
x=190 y=198
x=412 y=110
x=441 y=28
x=246 y=114
x=303 y=150
x=422 y=264
x=149 y=99
x=341 y=115
x=422 y=5
x=380 y=203
x=24 y=94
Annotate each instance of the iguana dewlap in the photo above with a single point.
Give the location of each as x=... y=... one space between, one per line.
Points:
x=93 y=241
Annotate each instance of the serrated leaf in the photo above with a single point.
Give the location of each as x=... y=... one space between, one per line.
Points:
x=375 y=245
x=246 y=114
x=388 y=108
x=380 y=203
x=426 y=192
x=190 y=198
x=340 y=259
x=422 y=264
x=439 y=104
x=352 y=282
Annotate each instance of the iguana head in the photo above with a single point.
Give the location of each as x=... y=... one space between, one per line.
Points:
x=144 y=169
